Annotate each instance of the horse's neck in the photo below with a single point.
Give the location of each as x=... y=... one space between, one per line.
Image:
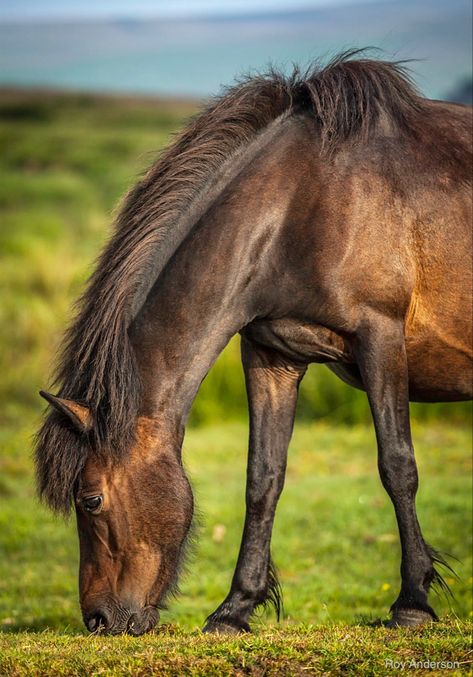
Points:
x=218 y=280
x=202 y=298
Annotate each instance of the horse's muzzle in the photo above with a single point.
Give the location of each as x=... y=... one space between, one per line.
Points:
x=109 y=622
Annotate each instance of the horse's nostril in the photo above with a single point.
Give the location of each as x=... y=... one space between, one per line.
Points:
x=97 y=622
x=135 y=625
x=142 y=621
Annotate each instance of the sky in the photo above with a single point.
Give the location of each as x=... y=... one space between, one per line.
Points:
x=44 y=10
x=130 y=46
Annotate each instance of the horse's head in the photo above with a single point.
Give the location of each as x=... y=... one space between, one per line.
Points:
x=133 y=517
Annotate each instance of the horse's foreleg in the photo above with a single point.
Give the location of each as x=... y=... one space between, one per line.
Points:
x=272 y=385
x=381 y=357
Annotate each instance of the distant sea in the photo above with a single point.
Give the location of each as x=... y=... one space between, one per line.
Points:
x=196 y=56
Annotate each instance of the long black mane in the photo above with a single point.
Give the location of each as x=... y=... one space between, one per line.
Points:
x=97 y=367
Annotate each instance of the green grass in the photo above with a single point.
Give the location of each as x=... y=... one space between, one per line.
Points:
x=65 y=161
x=307 y=650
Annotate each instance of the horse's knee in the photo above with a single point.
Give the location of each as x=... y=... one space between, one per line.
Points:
x=398 y=472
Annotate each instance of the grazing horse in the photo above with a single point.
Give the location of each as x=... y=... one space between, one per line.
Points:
x=325 y=217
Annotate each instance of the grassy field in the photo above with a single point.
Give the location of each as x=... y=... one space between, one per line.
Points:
x=306 y=650
x=65 y=161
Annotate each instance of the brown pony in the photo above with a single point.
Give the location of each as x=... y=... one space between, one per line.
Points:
x=325 y=217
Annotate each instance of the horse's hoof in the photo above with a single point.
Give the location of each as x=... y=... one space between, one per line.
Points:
x=225 y=627
x=409 y=618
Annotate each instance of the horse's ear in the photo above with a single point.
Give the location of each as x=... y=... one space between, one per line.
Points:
x=78 y=414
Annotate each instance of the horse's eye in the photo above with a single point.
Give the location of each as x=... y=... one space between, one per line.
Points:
x=92 y=503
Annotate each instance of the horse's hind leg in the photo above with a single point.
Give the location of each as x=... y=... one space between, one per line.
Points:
x=272 y=386
x=381 y=357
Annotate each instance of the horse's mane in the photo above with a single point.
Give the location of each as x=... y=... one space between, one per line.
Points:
x=97 y=367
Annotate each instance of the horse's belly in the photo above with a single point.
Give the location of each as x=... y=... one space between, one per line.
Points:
x=439 y=367
x=436 y=374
